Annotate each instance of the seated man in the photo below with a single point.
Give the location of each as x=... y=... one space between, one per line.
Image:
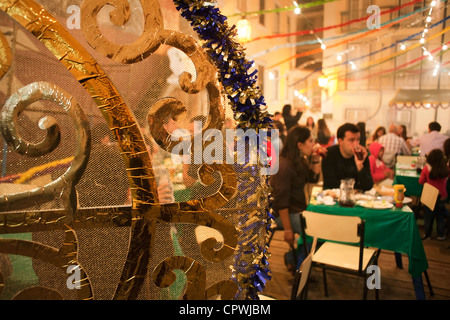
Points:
x=393 y=146
x=342 y=161
x=431 y=140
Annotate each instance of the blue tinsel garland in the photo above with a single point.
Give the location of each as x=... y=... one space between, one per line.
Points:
x=228 y=55
x=246 y=101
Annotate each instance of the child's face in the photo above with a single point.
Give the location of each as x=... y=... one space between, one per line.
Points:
x=381 y=153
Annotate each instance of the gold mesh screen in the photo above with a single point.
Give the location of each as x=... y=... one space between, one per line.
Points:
x=107 y=225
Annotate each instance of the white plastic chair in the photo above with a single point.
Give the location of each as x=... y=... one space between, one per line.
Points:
x=429 y=195
x=339 y=253
x=406 y=159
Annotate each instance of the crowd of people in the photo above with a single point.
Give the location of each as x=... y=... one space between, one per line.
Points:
x=311 y=152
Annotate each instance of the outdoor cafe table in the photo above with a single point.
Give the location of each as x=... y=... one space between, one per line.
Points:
x=408 y=176
x=389 y=229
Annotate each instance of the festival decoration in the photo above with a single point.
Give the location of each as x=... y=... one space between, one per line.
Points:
x=221 y=68
x=248 y=105
x=402 y=41
x=294 y=8
x=318 y=30
x=365 y=32
x=343 y=76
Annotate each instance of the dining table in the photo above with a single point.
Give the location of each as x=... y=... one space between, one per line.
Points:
x=392 y=229
x=407 y=175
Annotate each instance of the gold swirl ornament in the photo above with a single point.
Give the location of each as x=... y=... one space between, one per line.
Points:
x=65 y=184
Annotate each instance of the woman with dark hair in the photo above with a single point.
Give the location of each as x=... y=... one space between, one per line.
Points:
x=362 y=132
x=436 y=174
x=447 y=161
x=402 y=133
x=380 y=131
x=290 y=120
x=299 y=163
x=312 y=127
x=323 y=132
x=447 y=151
x=401 y=130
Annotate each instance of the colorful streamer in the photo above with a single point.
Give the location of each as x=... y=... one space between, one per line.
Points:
x=39 y=170
x=372 y=53
x=393 y=56
x=366 y=33
x=343 y=76
x=317 y=30
x=291 y=8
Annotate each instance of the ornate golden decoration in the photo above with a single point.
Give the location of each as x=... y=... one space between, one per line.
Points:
x=65 y=184
x=61 y=258
x=163 y=276
x=5 y=56
x=146 y=211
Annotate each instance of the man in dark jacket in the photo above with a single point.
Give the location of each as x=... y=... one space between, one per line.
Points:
x=342 y=160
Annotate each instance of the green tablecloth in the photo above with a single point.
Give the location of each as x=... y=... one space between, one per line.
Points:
x=410 y=179
x=392 y=229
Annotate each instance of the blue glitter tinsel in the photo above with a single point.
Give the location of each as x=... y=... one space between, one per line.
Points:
x=249 y=110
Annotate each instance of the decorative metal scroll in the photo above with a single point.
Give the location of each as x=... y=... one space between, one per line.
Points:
x=146 y=211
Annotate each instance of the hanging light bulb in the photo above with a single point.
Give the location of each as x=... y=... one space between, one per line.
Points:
x=323 y=81
x=402 y=47
x=244 y=30
x=297 y=9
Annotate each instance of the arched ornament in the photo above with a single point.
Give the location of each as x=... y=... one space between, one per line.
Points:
x=146 y=208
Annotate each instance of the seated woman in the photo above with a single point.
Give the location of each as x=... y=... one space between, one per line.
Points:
x=299 y=164
x=380 y=173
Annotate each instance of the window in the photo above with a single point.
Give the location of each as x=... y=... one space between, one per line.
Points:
x=277 y=21
x=355 y=115
x=240 y=5
x=356 y=10
x=262 y=17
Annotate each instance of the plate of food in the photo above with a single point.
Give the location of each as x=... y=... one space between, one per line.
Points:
x=334 y=193
x=362 y=196
x=375 y=204
x=407 y=200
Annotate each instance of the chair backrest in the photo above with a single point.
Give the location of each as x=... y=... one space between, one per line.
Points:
x=406 y=159
x=333 y=227
x=389 y=158
x=302 y=276
x=429 y=195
